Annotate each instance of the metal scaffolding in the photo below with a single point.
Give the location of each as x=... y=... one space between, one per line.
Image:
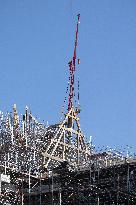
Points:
x=56 y=165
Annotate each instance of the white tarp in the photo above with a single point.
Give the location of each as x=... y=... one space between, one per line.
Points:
x=5 y=178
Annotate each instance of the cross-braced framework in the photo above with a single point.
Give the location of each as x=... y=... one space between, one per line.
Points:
x=66 y=142
x=28 y=148
x=54 y=165
x=27 y=140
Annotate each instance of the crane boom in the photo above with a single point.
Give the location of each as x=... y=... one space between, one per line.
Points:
x=72 y=67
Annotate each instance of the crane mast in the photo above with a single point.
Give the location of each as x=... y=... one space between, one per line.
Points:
x=72 y=69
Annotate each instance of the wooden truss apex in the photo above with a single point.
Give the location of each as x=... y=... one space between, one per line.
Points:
x=67 y=142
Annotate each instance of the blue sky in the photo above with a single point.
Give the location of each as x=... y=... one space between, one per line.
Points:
x=36 y=43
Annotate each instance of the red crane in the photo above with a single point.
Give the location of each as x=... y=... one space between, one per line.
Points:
x=72 y=68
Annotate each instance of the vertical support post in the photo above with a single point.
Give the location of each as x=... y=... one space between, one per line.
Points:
x=98 y=200
x=8 y=160
x=34 y=155
x=22 y=198
x=98 y=181
x=26 y=139
x=52 y=187
x=60 y=197
x=90 y=174
x=40 y=190
x=29 y=187
x=5 y=163
x=64 y=148
x=49 y=185
x=128 y=184
x=78 y=149
x=118 y=191
x=12 y=138
x=16 y=155
x=128 y=181
x=0 y=182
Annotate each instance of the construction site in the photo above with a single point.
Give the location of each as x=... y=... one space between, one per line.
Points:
x=56 y=164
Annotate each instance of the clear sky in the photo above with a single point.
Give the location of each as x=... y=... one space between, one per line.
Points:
x=36 y=43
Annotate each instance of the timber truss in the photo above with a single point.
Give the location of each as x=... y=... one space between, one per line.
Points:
x=66 y=142
x=28 y=146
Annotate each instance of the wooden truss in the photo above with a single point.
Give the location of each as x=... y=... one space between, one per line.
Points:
x=66 y=142
x=26 y=144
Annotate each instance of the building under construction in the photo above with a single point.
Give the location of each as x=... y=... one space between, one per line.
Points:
x=55 y=165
